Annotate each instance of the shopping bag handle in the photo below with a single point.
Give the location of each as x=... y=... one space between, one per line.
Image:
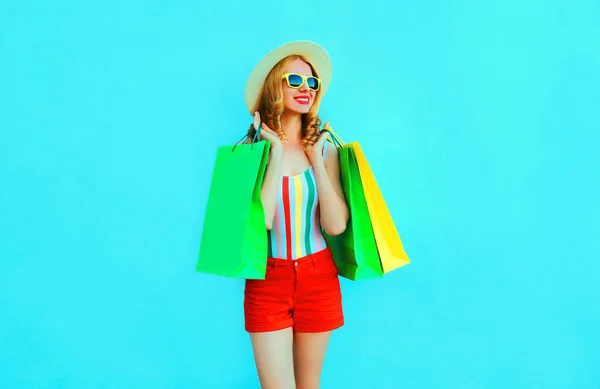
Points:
x=334 y=138
x=255 y=139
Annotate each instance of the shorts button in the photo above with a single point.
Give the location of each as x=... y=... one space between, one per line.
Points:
x=295 y=263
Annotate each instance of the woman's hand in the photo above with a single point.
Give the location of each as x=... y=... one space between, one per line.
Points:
x=315 y=152
x=269 y=135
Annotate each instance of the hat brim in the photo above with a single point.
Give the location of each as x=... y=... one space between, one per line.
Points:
x=314 y=54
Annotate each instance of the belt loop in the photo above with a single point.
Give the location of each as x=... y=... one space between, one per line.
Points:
x=314 y=261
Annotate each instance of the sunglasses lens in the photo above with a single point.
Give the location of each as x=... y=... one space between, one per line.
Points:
x=294 y=80
x=313 y=83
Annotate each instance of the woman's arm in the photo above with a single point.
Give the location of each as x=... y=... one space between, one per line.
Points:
x=333 y=207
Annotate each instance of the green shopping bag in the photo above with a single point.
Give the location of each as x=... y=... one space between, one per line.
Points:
x=355 y=250
x=234 y=238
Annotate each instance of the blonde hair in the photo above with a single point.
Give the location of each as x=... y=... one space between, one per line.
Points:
x=270 y=105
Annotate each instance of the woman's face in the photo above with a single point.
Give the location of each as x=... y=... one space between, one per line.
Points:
x=298 y=100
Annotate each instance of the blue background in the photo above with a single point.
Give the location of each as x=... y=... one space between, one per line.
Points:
x=480 y=120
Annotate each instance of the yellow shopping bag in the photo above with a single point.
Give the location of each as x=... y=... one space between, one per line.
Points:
x=389 y=244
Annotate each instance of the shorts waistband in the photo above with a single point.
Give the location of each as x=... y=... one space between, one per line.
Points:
x=308 y=259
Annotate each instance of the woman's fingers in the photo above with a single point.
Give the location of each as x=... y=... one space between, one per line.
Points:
x=321 y=140
x=256 y=120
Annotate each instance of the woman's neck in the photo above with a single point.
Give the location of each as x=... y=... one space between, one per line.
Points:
x=291 y=124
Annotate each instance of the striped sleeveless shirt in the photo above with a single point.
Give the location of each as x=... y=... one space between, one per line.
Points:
x=296 y=230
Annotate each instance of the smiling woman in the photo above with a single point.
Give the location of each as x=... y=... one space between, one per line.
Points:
x=291 y=313
x=298 y=97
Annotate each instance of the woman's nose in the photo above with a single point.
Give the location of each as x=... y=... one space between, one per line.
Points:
x=304 y=86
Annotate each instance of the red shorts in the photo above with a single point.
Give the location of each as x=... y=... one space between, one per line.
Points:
x=304 y=294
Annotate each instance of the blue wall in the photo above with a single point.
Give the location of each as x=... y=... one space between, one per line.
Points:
x=480 y=120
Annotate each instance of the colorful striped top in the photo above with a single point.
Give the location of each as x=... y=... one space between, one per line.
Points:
x=296 y=230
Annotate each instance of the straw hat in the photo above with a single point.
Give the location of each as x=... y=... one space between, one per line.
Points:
x=314 y=53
